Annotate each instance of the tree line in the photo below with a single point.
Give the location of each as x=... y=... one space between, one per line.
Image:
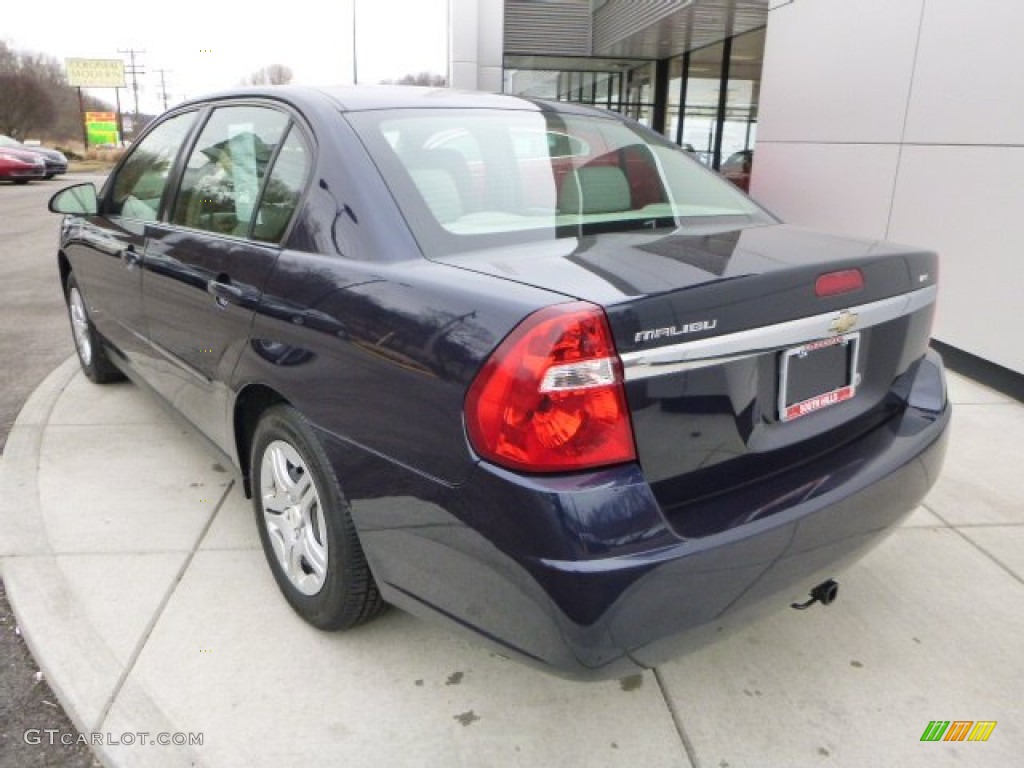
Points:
x=423 y=78
x=36 y=100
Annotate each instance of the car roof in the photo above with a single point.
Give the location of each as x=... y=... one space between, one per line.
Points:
x=357 y=98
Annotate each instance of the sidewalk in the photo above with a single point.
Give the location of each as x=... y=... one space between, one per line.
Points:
x=132 y=561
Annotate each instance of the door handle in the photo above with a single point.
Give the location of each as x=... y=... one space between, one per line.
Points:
x=224 y=291
x=130 y=257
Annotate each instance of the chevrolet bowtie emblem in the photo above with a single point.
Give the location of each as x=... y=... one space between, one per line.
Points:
x=845 y=322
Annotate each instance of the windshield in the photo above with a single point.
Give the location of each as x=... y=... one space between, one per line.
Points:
x=468 y=179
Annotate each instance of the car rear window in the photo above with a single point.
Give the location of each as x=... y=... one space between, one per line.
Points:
x=468 y=179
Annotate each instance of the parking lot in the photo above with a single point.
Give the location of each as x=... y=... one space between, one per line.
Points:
x=31 y=311
x=132 y=562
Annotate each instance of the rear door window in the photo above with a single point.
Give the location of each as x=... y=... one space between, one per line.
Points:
x=284 y=188
x=221 y=184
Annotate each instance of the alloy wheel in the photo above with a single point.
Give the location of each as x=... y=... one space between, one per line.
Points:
x=80 y=326
x=294 y=517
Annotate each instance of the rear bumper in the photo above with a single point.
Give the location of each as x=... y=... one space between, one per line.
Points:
x=583 y=576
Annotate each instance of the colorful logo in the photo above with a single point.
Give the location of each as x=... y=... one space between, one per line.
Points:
x=958 y=730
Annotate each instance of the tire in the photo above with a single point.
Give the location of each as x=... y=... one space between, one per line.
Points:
x=305 y=526
x=21 y=181
x=92 y=355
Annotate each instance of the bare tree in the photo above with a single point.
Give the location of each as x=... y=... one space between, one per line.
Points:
x=423 y=78
x=275 y=74
x=8 y=58
x=46 y=69
x=24 y=104
x=26 y=88
x=35 y=99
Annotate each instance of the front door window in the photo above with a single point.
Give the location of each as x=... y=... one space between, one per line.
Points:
x=142 y=179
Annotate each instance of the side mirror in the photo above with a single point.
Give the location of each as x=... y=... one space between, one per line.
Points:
x=78 y=200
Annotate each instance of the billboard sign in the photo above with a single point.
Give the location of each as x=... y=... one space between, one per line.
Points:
x=95 y=73
x=101 y=128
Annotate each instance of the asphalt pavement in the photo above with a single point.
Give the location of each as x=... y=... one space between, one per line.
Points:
x=33 y=325
x=133 y=565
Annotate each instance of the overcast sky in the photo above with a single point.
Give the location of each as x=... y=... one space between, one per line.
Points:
x=209 y=44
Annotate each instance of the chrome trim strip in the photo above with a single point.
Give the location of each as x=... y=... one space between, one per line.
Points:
x=714 y=350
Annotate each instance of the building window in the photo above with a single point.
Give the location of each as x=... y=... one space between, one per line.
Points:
x=710 y=98
x=739 y=129
x=700 y=113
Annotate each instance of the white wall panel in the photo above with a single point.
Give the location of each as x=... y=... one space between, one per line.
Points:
x=490 y=79
x=463 y=75
x=475 y=44
x=967 y=203
x=838 y=70
x=463 y=18
x=842 y=188
x=490 y=29
x=969 y=75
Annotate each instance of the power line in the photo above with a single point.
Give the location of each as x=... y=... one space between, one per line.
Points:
x=134 y=70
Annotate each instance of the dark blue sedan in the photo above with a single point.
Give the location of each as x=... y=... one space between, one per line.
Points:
x=521 y=366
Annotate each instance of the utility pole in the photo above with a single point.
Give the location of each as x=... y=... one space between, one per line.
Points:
x=134 y=70
x=163 y=86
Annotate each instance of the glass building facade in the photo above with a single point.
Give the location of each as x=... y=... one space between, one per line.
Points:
x=622 y=85
x=704 y=99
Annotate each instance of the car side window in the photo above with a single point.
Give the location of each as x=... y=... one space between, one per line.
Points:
x=224 y=174
x=141 y=180
x=284 y=187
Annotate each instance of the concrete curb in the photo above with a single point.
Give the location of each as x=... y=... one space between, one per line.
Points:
x=19 y=467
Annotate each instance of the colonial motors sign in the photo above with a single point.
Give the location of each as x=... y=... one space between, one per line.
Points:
x=95 y=73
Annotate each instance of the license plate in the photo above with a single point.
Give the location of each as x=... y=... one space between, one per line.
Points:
x=818 y=375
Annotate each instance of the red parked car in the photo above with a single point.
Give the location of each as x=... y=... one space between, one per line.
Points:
x=55 y=161
x=20 y=166
x=737 y=168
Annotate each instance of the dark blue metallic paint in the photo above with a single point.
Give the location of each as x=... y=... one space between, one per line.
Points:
x=391 y=349
x=110 y=250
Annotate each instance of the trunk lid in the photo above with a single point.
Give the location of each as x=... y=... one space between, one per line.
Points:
x=674 y=279
x=713 y=328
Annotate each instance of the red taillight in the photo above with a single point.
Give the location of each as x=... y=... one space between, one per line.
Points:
x=550 y=398
x=835 y=283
